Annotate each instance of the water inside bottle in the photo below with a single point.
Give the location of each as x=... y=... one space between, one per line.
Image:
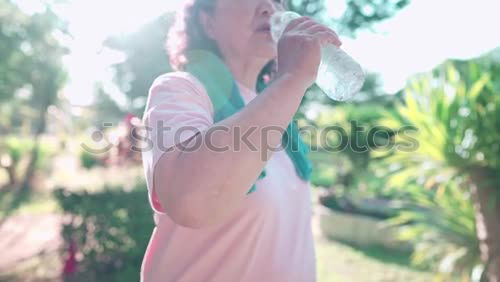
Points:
x=339 y=75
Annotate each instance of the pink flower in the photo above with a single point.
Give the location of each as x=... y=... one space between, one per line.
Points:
x=70 y=262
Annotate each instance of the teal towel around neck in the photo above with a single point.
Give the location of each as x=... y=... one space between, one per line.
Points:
x=226 y=99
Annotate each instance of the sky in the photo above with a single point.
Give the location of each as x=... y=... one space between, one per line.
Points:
x=425 y=34
x=419 y=37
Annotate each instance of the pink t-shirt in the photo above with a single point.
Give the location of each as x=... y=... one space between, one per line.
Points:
x=269 y=239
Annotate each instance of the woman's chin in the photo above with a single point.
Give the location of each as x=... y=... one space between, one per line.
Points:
x=267 y=51
x=264 y=46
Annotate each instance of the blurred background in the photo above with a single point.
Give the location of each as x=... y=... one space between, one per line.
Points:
x=419 y=204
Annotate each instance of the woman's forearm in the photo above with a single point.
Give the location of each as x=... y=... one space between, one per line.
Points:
x=210 y=182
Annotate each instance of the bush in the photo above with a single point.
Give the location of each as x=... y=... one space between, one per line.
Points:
x=344 y=142
x=46 y=151
x=110 y=229
x=15 y=148
x=88 y=160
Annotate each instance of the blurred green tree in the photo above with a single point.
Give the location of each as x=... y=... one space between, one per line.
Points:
x=362 y=14
x=359 y=14
x=146 y=60
x=106 y=109
x=31 y=75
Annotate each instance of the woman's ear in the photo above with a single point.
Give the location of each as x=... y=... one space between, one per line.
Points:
x=206 y=21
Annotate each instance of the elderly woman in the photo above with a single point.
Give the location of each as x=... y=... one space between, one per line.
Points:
x=228 y=176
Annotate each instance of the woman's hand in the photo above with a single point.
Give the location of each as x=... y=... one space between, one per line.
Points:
x=299 y=49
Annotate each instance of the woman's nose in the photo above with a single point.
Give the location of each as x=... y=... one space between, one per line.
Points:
x=267 y=7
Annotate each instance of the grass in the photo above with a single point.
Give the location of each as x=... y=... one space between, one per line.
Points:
x=342 y=262
x=337 y=262
x=382 y=254
x=34 y=203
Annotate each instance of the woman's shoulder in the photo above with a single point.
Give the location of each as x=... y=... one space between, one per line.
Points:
x=178 y=88
x=178 y=80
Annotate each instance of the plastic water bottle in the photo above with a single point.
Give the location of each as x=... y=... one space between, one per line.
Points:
x=339 y=76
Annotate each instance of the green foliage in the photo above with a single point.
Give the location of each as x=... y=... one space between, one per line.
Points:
x=457 y=116
x=343 y=140
x=359 y=14
x=45 y=152
x=442 y=229
x=88 y=160
x=17 y=147
x=362 y=14
x=455 y=110
x=29 y=51
x=31 y=71
x=106 y=109
x=324 y=173
x=310 y=8
x=10 y=41
x=111 y=230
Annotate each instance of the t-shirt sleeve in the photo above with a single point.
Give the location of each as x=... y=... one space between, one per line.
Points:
x=177 y=108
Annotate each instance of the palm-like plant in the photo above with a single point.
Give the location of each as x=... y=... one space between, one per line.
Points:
x=456 y=113
x=442 y=229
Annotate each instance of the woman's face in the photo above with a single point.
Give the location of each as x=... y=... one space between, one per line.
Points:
x=241 y=27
